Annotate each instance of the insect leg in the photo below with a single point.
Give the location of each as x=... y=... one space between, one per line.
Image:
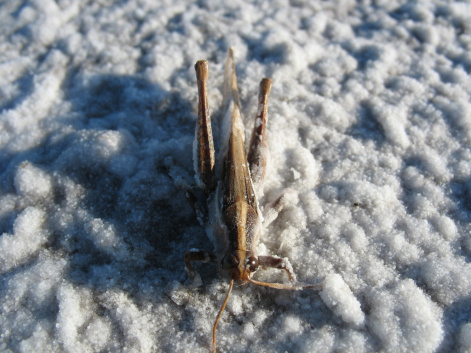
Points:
x=271 y=210
x=203 y=148
x=283 y=264
x=200 y=208
x=193 y=195
x=278 y=263
x=258 y=151
x=196 y=255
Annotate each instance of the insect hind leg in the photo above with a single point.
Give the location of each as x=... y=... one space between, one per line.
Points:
x=258 y=152
x=203 y=148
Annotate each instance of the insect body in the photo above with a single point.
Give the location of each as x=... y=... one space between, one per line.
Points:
x=232 y=216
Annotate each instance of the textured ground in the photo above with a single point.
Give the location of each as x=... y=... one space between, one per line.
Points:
x=369 y=126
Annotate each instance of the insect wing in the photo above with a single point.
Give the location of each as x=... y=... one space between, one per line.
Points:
x=239 y=204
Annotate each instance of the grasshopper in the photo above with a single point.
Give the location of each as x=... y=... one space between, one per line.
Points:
x=232 y=217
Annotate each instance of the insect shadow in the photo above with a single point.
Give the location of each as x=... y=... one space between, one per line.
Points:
x=114 y=215
x=142 y=204
x=111 y=148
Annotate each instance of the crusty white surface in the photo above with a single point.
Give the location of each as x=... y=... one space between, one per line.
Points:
x=369 y=126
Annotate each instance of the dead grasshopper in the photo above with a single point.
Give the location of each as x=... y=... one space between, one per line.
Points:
x=232 y=218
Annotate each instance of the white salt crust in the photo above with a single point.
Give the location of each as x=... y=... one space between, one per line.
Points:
x=369 y=131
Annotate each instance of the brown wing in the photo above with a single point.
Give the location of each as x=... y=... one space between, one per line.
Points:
x=239 y=204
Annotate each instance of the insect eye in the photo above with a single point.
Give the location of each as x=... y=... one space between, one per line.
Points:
x=229 y=261
x=252 y=263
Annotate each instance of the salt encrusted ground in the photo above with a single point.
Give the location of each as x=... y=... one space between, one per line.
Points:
x=370 y=125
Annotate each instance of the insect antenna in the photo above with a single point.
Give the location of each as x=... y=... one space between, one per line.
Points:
x=298 y=286
x=231 y=284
